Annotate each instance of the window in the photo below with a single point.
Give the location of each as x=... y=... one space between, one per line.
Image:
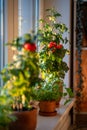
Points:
x=16 y=18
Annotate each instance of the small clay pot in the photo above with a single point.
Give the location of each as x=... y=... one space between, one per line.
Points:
x=47 y=108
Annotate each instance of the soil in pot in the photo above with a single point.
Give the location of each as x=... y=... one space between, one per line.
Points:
x=26 y=120
x=47 y=108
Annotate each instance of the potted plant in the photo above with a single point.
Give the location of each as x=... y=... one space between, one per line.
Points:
x=19 y=77
x=52 y=47
x=47 y=94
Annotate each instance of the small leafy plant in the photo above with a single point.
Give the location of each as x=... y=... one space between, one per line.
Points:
x=50 y=91
x=47 y=92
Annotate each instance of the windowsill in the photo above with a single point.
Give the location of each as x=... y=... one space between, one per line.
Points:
x=54 y=123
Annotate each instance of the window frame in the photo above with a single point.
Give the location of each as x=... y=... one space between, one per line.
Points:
x=3 y=35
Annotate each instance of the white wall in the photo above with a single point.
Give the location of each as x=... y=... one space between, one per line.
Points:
x=63 y=7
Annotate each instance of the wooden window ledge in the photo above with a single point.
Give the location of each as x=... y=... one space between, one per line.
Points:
x=59 y=122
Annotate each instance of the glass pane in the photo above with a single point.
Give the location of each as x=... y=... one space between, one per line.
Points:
x=25 y=16
x=28 y=15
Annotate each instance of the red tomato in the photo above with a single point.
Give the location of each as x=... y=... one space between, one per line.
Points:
x=30 y=47
x=52 y=44
x=59 y=46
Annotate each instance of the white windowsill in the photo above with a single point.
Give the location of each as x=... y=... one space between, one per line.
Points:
x=54 y=123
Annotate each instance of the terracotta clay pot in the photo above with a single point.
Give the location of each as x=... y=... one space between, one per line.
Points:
x=47 y=108
x=26 y=120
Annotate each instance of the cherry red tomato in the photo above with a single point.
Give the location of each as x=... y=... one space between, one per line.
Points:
x=59 y=46
x=30 y=47
x=52 y=44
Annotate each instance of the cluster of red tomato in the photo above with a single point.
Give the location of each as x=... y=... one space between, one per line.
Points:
x=54 y=45
x=30 y=47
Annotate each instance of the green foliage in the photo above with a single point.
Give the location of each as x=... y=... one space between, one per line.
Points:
x=5 y=108
x=69 y=91
x=51 y=57
x=52 y=90
x=51 y=30
x=47 y=92
x=23 y=72
x=17 y=44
